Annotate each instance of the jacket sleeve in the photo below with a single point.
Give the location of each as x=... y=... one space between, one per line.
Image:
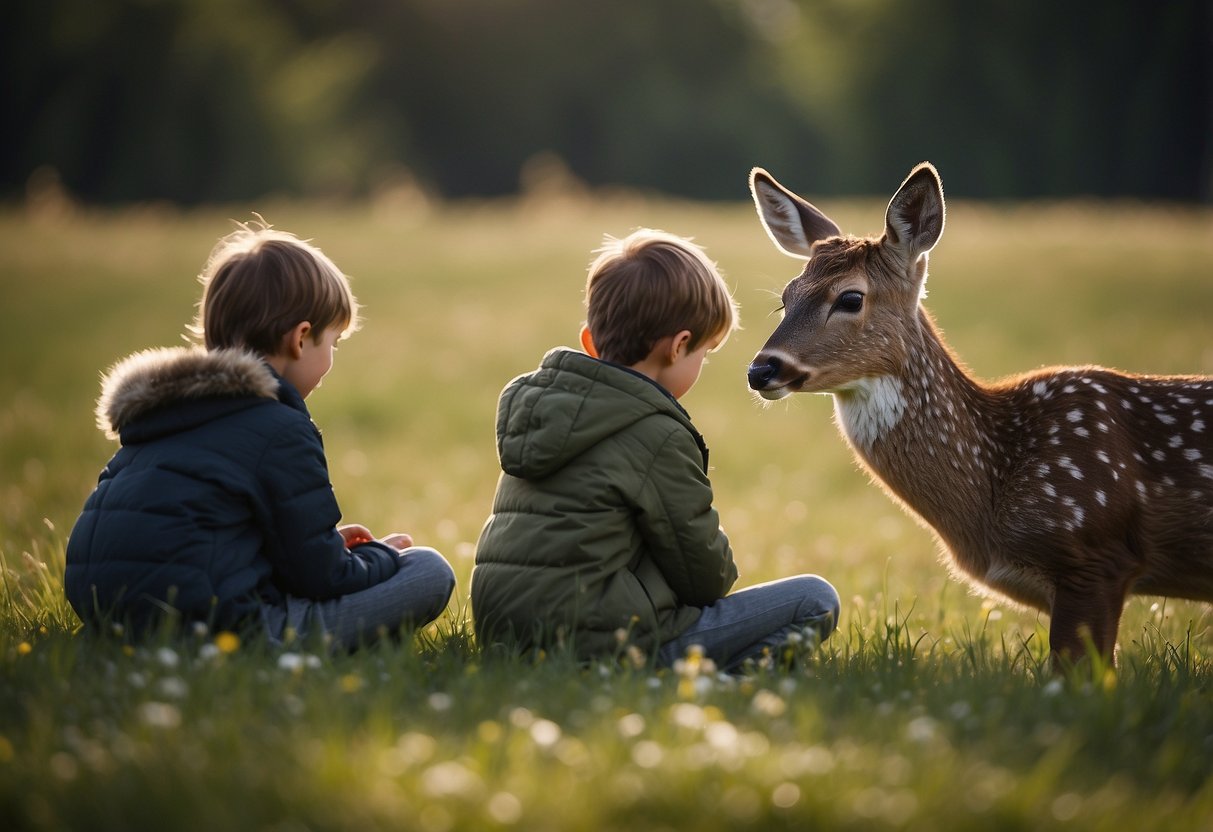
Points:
x=682 y=528
x=308 y=554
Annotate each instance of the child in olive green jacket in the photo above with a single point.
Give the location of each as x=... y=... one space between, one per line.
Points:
x=603 y=533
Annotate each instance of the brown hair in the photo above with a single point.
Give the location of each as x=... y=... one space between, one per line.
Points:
x=649 y=285
x=259 y=283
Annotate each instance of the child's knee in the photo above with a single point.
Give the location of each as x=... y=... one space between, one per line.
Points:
x=429 y=566
x=821 y=605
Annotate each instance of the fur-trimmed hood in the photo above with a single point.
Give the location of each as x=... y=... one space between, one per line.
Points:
x=152 y=379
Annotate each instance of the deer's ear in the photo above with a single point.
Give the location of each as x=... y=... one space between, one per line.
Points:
x=792 y=223
x=914 y=220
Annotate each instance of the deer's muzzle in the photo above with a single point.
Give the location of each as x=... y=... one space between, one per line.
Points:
x=766 y=376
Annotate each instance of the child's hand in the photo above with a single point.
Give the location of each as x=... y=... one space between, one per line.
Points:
x=353 y=534
x=399 y=540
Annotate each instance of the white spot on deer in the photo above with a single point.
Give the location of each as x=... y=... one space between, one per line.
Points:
x=1159 y=455
x=1040 y=389
x=1078 y=515
x=1102 y=390
x=1101 y=405
x=1101 y=498
x=1103 y=457
x=1176 y=441
x=1103 y=426
x=1083 y=432
x=1065 y=463
x=1191 y=454
x=1198 y=426
x=1165 y=419
x=1184 y=400
x=1042 y=470
x=1074 y=416
x=1050 y=490
x=1125 y=404
x=1141 y=489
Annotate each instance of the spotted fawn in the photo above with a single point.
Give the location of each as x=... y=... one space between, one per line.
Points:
x=1065 y=489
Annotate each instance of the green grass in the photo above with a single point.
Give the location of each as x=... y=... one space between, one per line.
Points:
x=930 y=708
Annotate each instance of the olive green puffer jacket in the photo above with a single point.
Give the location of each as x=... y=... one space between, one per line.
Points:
x=603 y=521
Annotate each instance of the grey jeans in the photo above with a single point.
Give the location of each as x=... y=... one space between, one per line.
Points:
x=742 y=625
x=414 y=596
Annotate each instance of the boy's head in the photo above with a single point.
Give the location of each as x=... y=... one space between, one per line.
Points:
x=259 y=283
x=651 y=285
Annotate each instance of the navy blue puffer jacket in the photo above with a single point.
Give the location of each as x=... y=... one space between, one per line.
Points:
x=219 y=498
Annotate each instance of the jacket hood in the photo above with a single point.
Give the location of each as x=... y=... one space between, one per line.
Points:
x=552 y=415
x=154 y=379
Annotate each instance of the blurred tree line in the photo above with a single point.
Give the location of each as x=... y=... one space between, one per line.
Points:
x=216 y=100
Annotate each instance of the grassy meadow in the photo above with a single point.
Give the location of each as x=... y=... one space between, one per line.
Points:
x=930 y=708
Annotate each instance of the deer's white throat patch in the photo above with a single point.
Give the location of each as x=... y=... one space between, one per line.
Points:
x=869 y=408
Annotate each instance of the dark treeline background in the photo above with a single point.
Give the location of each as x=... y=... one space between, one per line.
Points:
x=216 y=100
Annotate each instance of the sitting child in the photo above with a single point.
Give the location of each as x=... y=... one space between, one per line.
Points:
x=218 y=508
x=603 y=531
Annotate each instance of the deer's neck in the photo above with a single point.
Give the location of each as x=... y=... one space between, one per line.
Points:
x=929 y=431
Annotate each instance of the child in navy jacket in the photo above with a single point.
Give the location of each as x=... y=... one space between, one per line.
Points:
x=218 y=506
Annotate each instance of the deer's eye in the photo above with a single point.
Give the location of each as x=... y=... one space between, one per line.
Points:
x=850 y=302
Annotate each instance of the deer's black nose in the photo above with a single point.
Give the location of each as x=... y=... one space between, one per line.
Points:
x=762 y=371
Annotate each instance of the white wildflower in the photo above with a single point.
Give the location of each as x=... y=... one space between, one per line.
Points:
x=172 y=687
x=631 y=725
x=768 y=703
x=450 y=779
x=545 y=733
x=160 y=714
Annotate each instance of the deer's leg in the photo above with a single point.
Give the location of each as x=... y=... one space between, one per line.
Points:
x=1085 y=612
